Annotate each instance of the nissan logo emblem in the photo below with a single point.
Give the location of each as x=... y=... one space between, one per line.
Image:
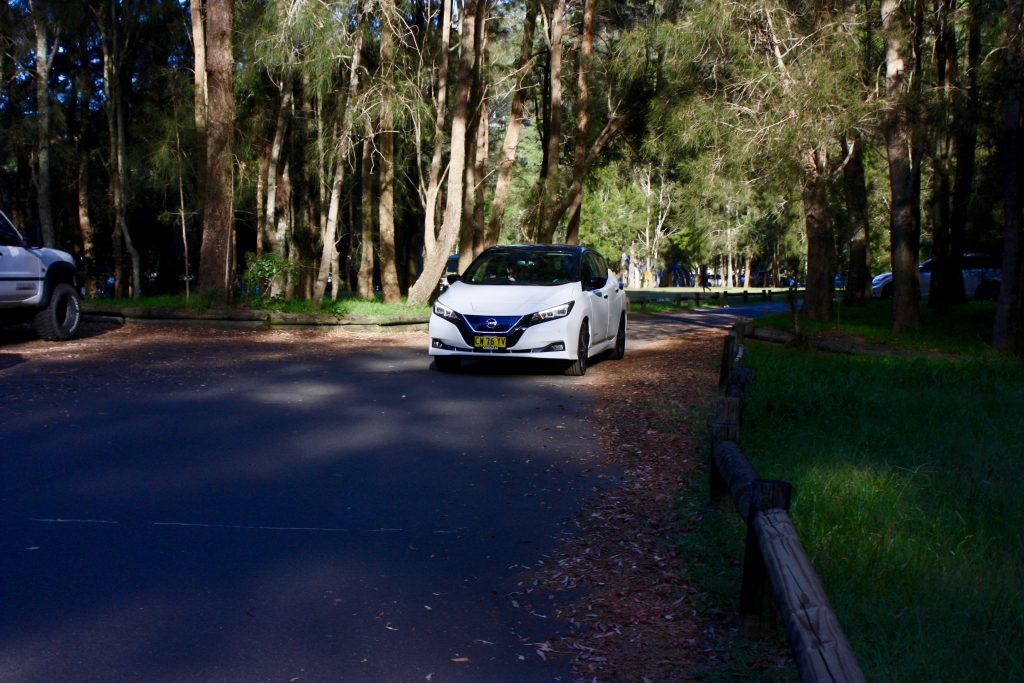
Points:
x=491 y=323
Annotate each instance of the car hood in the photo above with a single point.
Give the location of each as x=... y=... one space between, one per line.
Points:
x=51 y=256
x=506 y=299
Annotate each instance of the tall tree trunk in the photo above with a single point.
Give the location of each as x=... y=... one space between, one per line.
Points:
x=85 y=228
x=553 y=130
x=216 y=258
x=434 y=262
x=274 y=168
x=513 y=129
x=1006 y=332
x=200 y=94
x=44 y=59
x=471 y=232
x=386 y=215
x=480 y=171
x=111 y=47
x=965 y=143
x=386 y=204
x=364 y=283
x=858 y=283
x=945 y=53
x=342 y=148
x=821 y=242
x=572 y=233
x=433 y=186
x=903 y=218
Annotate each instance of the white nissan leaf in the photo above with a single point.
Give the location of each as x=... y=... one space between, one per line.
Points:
x=530 y=301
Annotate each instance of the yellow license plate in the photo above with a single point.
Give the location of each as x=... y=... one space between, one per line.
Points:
x=489 y=342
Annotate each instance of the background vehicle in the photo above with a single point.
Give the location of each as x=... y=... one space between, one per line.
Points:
x=530 y=301
x=37 y=284
x=982 y=276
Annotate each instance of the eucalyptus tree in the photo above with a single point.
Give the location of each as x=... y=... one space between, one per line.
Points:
x=901 y=25
x=216 y=260
x=778 y=89
x=434 y=261
x=1009 y=324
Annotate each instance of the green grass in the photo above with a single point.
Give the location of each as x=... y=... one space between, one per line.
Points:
x=908 y=481
x=965 y=329
x=353 y=307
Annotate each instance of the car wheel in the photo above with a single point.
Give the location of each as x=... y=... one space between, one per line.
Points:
x=620 y=340
x=447 y=363
x=62 y=316
x=579 y=366
x=887 y=291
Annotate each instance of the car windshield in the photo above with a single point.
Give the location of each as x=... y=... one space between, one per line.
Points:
x=523 y=267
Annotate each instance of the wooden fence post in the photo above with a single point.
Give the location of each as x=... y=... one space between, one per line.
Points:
x=757 y=603
x=728 y=354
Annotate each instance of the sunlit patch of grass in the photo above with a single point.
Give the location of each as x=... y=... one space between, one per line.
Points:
x=907 y=482
x=964 y=329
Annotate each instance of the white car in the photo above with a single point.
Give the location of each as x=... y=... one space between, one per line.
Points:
x=982 y=275
x=530 y=301
x=38 y=285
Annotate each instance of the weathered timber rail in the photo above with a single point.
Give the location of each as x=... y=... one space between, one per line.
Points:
x=777 y=575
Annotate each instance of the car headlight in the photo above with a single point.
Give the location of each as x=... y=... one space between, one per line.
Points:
x=553 y=313
x=442 y=311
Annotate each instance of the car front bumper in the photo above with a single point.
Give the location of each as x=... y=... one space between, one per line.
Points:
x=554 y=339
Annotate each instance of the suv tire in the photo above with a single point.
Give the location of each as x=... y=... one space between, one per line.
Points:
x=60 y=319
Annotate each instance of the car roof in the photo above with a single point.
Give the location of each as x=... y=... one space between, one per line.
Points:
x=566 y=248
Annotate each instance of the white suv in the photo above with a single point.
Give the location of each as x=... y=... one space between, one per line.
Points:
x=38 y=285
x=982 y=275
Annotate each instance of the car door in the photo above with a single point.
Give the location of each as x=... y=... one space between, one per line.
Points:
x=20 y=269
x=598 y=295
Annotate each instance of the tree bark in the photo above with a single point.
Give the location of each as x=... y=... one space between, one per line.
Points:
x=44 y=60
x=820 y=237
x=364 y=282
x=858 y=283
x=553 y=131
x=903 y=217
x=513 y=129
x=965 y=144
x=215 y=261
x=433 y=187
x=343 y=148
x=941 y=292
x=572 y=232
x=434 y=262
x=386 y=203
x=1006 y=331
x=200 y=96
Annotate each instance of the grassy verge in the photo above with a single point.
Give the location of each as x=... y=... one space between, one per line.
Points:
x=354 y=307
x=966 y=329
x=908 y=481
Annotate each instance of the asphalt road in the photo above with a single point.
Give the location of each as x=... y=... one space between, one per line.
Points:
x=218 y=511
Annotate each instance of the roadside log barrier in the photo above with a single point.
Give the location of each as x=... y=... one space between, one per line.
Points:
x=777 y=575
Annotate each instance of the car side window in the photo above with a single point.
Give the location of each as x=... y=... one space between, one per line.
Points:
x=8 y=235
x=591 y=269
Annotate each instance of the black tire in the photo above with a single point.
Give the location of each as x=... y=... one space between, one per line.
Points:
x=886 y=291
x=619 y=350
x=62 y=316
x=447 y=363
x=579 y=366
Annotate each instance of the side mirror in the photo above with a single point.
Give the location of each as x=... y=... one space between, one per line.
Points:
x=452 y=278
x=596 y=282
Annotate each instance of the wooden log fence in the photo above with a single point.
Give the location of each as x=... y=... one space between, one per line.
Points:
x=777 y=575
